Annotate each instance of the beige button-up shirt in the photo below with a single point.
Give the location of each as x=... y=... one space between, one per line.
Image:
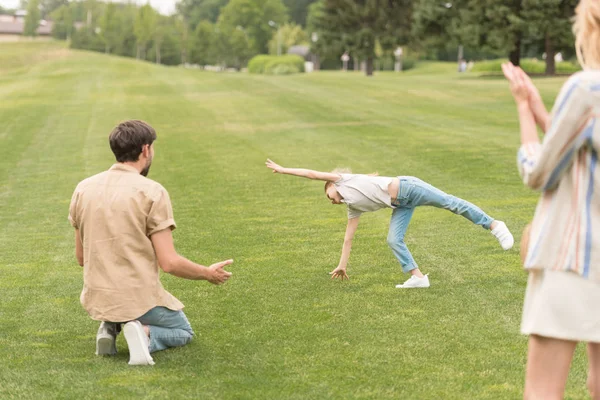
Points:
x=116 y=212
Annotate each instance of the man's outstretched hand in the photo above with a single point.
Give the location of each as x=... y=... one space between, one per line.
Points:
x=218 y=274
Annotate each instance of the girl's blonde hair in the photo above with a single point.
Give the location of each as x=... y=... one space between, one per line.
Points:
x=344 y=171
x=587 y=33
x=337 y=171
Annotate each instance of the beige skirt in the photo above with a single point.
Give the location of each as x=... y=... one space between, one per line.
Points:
x=561 y=305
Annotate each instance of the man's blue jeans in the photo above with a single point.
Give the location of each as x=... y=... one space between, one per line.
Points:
x=414 y=193
x=168 y=328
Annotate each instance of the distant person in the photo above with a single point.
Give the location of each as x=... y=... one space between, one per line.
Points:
x=123 y=223
x=558 y=57
x=470 y=65
x=345 y=58
x=563 y=241
x=364 y=193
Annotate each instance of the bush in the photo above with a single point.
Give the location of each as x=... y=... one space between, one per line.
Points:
x=276 y=65
x=408 y=63
x=256 y=65
x=86 y=39
x=530 y=66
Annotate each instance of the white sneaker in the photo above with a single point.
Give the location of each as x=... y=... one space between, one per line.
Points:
x=415 y=282
x=503 y=235
x=106 y=339
x=138 y=342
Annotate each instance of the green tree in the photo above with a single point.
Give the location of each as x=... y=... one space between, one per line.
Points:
x=549 y=21
x=144 y=29
x=240 y=50
x=93 y=11
x=253 y=16
x=110 y=27
x=204 y=37
x=127 y=43
x=85 y=38
x=436 y=26
x=170 y=51
x=327 y=48
x=160 y=31
x=185 y=39
x=32 y=20
x=289 y=35
x=299 y=10
x=196 y=11
x=49 y=6
x=492 y=25
x=358 y=25
x=489 y=26
x=62 y=27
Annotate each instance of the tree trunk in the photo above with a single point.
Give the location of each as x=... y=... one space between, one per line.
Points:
x=106 y=49
x=137 y=55
x=515 y=54
x=158 y=54
x=183 y=55
x=369 y=66
x=356 y=63
x=550 y=52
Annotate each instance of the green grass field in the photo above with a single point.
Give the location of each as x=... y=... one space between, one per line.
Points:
x=280 y=328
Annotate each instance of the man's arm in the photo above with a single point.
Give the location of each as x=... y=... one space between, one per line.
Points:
x=340 y=271
x=174 y=264
x=78 y=248
x=304 y=173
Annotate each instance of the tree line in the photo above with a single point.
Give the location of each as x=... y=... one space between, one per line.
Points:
x=230 y=32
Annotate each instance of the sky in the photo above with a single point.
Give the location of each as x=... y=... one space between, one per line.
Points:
x=164 y=6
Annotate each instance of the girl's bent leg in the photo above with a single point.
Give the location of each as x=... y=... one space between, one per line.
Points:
x=398 y=225
x=425 y=194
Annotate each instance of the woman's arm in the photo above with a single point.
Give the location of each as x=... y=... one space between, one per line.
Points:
x=340 y=271
x=516 y=76
x=541 y=115
x=305 y=173
x=542 y=165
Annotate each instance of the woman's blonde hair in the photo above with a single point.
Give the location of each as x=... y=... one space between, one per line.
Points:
x=587 y=33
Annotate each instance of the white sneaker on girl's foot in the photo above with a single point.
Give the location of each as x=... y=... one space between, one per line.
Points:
x=415 y=282
x=137 y=341
x=503 y=235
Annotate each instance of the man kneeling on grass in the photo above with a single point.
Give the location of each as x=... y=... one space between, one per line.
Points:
x=123 y=223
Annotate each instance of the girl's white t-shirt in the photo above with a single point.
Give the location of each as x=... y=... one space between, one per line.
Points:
x=364 y=193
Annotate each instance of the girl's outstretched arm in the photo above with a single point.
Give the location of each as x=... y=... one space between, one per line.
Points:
x=340 y=271
x=305 y=173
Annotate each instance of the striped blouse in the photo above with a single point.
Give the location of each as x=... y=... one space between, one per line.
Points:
x=565 y=168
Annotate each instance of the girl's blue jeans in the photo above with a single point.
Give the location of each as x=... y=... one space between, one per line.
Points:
x=414 y=193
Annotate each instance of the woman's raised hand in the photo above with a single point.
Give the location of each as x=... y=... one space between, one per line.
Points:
x=518 y=83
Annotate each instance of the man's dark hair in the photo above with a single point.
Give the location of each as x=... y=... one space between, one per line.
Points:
x=128 y=138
